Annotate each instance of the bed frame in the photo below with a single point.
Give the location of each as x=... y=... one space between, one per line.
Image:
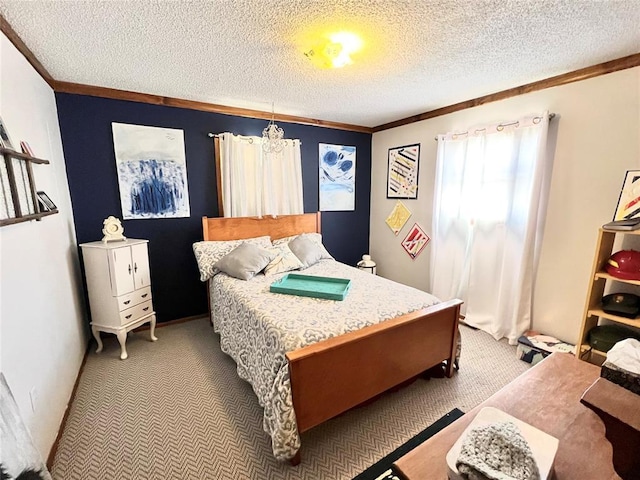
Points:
x=337 y=374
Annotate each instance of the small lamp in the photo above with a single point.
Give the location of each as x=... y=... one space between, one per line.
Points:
x=367 y=264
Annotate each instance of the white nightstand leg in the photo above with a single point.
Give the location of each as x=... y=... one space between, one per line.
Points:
x=96 y=335
x=152 y=328
x=122 y=338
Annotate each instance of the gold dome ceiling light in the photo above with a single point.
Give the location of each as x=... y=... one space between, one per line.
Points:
x=335 y=50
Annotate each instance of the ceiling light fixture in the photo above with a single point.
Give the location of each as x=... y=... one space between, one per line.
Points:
x=272 y=136
x=336 y=51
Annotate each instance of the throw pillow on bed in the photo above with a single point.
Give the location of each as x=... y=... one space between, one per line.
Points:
x=209 y=252
x=307 y=251
x=285 y=261
x=245 y=261
x=315 y=237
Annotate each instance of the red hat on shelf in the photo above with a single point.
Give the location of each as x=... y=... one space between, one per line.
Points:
x=624 y=264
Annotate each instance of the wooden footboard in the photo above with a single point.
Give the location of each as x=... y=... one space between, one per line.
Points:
x=332 y=376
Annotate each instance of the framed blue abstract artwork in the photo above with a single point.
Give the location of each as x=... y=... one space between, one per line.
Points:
x=152 y=171
x=337 y=177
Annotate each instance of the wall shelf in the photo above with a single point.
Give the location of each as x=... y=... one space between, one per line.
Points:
x=593 y=312
x=23 y=156
x=606 y=276
x=20 y=203
x=26 y=218
x=598 y=312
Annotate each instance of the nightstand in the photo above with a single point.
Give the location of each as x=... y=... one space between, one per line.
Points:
x=119 y=285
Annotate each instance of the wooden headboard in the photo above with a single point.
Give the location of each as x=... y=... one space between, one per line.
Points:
x=235 y=228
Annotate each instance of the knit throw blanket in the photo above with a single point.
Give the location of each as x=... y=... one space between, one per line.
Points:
x=497 y=451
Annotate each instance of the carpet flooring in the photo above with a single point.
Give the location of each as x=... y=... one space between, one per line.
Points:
x=383 y=468
x=176 y=409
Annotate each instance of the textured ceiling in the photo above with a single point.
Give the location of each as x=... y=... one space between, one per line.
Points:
x=418 y=55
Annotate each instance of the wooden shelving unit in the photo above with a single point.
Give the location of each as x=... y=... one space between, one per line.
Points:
x=593 y=312
x=19 y=213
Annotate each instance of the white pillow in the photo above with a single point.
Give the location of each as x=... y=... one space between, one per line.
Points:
x=245 y=261
x=284 y=261
x=208 y=253
x=307 y=251
x=315 y=237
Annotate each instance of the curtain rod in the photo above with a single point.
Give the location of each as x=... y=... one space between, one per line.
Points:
x=551 y=115
x=218 y=135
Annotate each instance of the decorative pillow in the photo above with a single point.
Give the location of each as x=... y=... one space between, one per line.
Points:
x=307 y=251
x=285 y=261
x=315 y=237
x=208 y=253
x=245 y=261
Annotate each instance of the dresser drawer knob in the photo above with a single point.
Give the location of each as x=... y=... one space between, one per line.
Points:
x=127 y=302
x=145 y=295
x=145 y=309
x=128 y=316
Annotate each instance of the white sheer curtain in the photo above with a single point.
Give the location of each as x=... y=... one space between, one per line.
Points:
x=255 y=183
x=489 y=209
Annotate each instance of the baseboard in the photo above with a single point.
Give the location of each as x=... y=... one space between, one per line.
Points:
x=146 y=326
x=63 y=423
x=54 y=447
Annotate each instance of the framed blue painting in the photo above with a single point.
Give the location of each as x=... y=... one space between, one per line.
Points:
x=337 y=177
x=152 y=171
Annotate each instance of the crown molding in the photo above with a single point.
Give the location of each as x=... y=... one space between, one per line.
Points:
x=104 y=92
x=575 y=76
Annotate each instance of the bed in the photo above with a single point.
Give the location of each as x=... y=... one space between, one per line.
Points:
x=345 y=354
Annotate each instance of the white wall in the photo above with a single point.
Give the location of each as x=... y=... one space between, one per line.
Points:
x=43 y=334
x=597 y=138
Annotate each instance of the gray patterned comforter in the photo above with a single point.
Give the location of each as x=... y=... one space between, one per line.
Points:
x=258 y=327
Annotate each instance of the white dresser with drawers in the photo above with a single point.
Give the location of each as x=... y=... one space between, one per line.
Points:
x=119 y=285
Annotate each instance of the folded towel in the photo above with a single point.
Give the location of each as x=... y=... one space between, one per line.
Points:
x=497 y=451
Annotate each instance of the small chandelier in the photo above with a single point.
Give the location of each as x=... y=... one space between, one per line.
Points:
x=272 y=136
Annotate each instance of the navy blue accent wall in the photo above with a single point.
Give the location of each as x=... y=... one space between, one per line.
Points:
x=85 y=124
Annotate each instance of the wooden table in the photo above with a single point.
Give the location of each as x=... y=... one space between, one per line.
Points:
x=548 y=397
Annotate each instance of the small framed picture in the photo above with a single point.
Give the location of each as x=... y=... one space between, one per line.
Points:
x=415 y=241
x=46 y=205
x=5 y=140
x=629 y=200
